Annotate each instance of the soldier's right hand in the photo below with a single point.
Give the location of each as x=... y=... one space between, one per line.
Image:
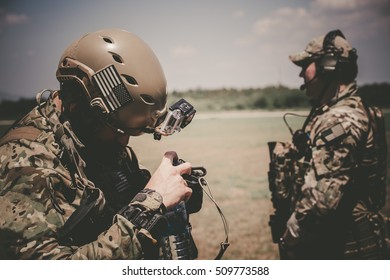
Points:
x=169 y=183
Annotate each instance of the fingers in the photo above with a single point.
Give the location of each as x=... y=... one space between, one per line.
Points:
x=169 y=182
x=184 y=168
x=170 y=156
x=187 y=194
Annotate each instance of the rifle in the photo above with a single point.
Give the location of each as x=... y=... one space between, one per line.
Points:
x=281 y=183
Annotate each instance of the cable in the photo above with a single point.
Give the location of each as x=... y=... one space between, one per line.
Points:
x=292 y=114
x=224 y=244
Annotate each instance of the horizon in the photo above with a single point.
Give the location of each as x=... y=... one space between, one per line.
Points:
x=5 y=97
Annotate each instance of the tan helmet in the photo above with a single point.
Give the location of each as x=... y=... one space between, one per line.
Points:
x=120 y=75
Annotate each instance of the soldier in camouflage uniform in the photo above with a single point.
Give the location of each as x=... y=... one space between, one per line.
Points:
x=70 y=188
x=337 y=168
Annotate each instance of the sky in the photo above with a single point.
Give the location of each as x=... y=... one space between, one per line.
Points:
x=206 y=44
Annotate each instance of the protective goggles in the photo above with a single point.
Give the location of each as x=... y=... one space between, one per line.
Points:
x=178 y=116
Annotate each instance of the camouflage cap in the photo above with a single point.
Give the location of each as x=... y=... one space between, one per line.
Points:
x=315 y=49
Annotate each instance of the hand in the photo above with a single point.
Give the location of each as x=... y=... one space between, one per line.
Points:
x=169 y=183
x=287 y=245
x=293 y=229
x=289 y=239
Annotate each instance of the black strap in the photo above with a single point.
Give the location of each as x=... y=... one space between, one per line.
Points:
x=79 y=228
x=134 y=165
x=330 y=37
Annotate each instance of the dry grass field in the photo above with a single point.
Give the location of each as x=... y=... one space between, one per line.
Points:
x=233 y=148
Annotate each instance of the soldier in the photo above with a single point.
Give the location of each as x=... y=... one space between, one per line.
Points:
x=70 y=187
x=340 y=171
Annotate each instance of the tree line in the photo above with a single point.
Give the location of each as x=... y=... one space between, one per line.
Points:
x=268 y=98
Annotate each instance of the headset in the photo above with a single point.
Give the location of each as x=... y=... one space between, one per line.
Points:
x=328 y=65
x=332 y=60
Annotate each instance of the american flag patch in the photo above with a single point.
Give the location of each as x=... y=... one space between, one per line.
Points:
x=333 y=134
x=114 y=91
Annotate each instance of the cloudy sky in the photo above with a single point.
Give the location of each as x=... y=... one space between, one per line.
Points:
x=201 y=44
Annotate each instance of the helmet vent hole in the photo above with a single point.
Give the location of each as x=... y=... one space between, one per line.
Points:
x=64 y=62
x=108 y=40
x=117 y=58
x=131 y=80
x=147 y=99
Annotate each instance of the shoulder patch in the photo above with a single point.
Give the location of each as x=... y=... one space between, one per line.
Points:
x=333 y=134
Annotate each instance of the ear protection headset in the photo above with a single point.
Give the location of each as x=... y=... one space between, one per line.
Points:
x=332 y=61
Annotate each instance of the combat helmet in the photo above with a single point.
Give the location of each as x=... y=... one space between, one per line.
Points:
x=121 y=78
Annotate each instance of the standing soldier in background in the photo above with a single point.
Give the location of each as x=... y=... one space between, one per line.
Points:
x=70 y=187
x=329 y=184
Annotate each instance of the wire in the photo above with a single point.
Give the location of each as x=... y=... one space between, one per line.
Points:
x=292 y=114
x=225 y=244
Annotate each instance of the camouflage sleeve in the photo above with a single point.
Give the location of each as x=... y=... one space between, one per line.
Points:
x=335 y=141
x=29 y=223
x=36 y=198
x=118 y=242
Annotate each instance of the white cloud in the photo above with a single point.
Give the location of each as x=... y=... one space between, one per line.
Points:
x=337 y=4
x=245 y=41
x=285 y=18
x=342 y=5
x=9 y=18
x=183 y=51
x=277 y=26
x=288 y=29
x=363 y=19
x=286 y=24
x=238 y=13
x=13 y=19
x=360 y=19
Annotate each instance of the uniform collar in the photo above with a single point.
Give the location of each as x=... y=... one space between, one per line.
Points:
x=350 y=90
x=54 y=118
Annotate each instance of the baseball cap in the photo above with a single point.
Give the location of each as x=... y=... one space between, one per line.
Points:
x=315 y=49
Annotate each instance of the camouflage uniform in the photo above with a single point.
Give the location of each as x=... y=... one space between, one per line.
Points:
x=335 y=208
x=333 y=160
x=328 y=187
x=38 y=193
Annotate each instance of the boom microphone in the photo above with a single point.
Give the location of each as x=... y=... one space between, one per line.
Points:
x=305 y=84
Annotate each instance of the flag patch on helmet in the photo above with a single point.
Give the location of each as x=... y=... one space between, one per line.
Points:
x=115 y=94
